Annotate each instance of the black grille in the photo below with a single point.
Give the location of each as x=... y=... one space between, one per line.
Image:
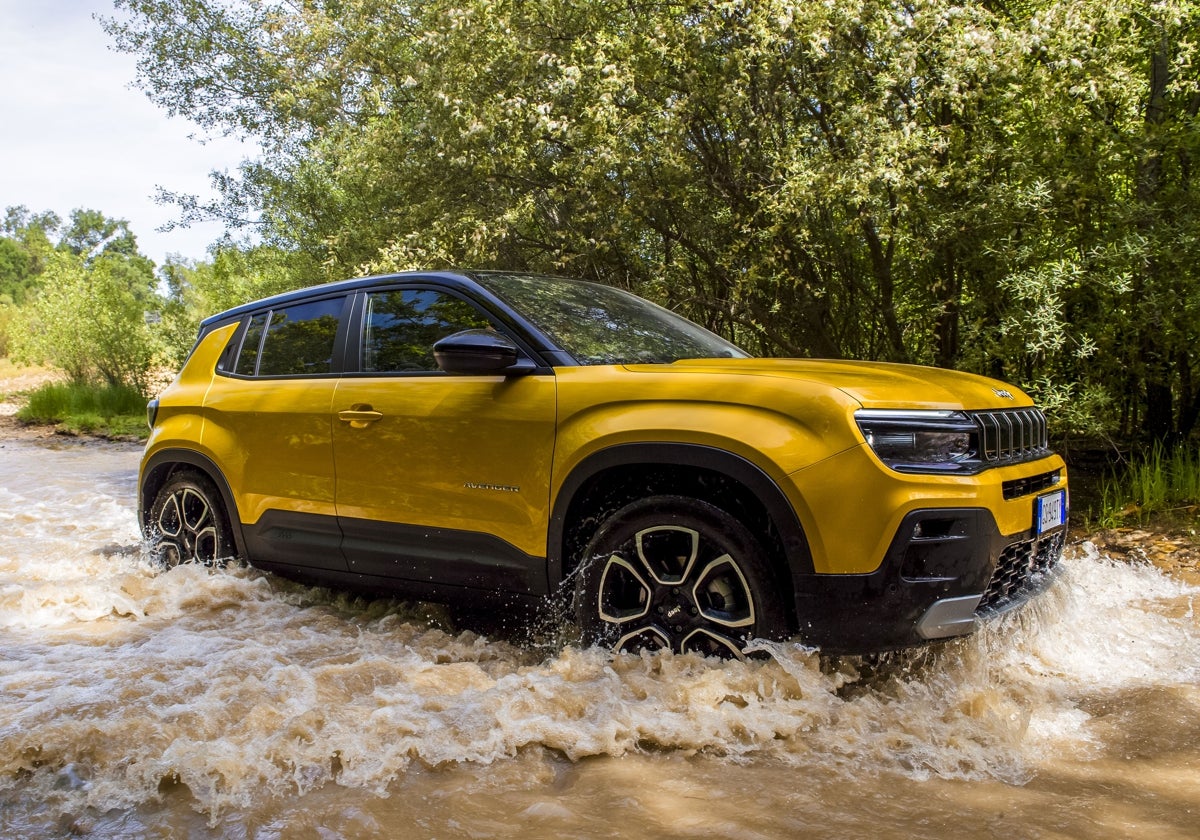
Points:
x=1022 y=569
x=1012 y=436
x=1018 y=487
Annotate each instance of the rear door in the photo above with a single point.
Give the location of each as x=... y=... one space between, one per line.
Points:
x=442 y=480
x=268 y=419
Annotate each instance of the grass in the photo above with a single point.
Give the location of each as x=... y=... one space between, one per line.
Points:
x=1157 y=482
x=87 y=409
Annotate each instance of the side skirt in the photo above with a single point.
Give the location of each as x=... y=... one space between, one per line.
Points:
x=401 y=558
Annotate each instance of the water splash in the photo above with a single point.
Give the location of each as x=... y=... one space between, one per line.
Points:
x=121 y=681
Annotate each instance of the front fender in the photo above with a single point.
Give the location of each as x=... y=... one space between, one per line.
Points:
x=778 y=507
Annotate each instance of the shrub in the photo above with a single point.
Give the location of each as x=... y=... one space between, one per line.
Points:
x=89 y=321
x=85 y=408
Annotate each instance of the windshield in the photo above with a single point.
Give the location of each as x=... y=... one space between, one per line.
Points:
x=601 y=325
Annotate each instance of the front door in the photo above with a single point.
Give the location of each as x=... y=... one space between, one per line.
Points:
x=442 y=480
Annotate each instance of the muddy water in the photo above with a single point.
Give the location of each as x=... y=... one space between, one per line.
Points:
x=141 y=703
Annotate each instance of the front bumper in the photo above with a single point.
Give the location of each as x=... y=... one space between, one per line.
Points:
x=945 y=569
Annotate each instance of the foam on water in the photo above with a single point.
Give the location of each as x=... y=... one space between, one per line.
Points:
x=119 y=680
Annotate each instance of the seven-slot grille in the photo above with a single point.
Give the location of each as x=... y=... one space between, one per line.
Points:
x=1012 y=435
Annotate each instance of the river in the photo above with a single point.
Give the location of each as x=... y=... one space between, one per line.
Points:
x=137 y=702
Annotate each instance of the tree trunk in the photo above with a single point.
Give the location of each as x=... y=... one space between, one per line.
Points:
x=1155 y=359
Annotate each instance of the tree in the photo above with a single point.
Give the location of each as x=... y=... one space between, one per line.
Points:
x=16 y=271
x=23 y=251
x=90 y=234
x=88 y=321
x=1002 y=187
x=1102 y=282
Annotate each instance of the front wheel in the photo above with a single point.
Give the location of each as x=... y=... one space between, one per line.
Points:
x=668 y=572
x=188 y=522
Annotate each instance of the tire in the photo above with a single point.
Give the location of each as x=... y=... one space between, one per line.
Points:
x=669 y=572
x=188 y=523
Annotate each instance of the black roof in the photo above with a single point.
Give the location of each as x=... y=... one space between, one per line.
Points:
x=453 y=279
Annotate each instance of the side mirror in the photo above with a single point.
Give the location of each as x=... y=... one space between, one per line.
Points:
x=479 y=353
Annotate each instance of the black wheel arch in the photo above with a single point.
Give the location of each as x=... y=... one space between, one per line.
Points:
x=157 y=471
x=612 y=477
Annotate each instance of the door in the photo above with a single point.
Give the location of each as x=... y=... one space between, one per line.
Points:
x=442 y=480
x=268 y=421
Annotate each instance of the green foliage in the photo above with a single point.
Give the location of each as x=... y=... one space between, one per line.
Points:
x=88 y=320
x=16 y=271
x=91 y=234
x=1002 y=188
x=76 y=296
x=234 y=276
x=80 y=408
x=1155 y=482
x=7 y=313
x=24 y=248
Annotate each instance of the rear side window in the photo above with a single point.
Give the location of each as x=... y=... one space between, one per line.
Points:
x=400 y=328
x=295 y=341
x=247 y=362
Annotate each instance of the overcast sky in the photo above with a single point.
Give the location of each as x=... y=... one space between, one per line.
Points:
x=75 y=133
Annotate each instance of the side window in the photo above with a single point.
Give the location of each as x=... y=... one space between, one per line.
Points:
x=300 y=339
x=247 y=362
x=296 y=341
x=402 y=325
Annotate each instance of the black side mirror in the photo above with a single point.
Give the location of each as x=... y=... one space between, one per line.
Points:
x=478 y=353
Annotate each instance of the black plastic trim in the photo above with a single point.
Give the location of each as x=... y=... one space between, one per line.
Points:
x=374 y=586
x=954 y=554
x=174 y=458
x=400 y=558
x=233 y=348
x=1031 y=485
x=289 y=537
x=795 y=544
x=445 y=557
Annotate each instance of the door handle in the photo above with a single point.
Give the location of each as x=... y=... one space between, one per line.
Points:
x=359 y=416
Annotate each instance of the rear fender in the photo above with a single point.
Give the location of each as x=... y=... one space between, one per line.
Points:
x=159 y=467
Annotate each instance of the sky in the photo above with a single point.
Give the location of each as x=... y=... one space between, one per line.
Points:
x=76 y=133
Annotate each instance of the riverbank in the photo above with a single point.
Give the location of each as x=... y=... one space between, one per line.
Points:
x=15 y=383
x=86 y=415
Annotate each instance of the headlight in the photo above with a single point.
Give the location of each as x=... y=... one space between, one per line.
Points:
x=921 y=441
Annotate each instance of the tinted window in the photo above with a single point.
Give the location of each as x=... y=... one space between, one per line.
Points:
x=248 y=360
x=401 y=327
x=600 y=325
x=299 y=340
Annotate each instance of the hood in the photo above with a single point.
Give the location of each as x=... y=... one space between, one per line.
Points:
x=879 y=384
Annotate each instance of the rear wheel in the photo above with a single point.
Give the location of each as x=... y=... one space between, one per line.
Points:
x=188 y=522
x=669 y=572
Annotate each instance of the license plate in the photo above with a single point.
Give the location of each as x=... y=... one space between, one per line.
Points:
x=1050 y=511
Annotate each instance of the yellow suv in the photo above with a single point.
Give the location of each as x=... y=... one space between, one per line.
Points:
x=496 y=437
